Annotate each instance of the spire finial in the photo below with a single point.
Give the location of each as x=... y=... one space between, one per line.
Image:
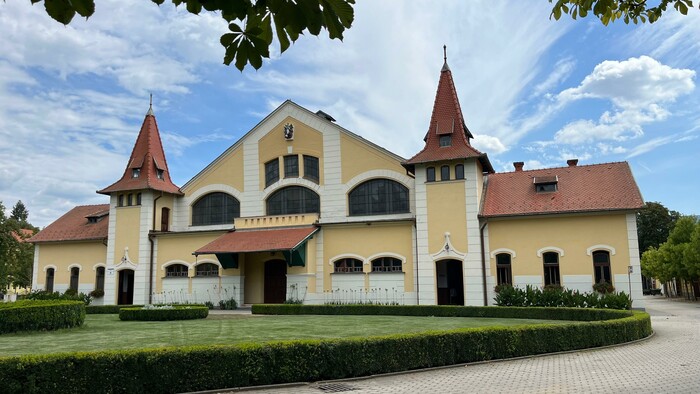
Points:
x=445 y=67
x=150 y=107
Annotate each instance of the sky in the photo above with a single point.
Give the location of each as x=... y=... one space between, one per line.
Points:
x=532 y=89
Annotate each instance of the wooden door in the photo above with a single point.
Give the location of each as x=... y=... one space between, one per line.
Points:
x=275 y=281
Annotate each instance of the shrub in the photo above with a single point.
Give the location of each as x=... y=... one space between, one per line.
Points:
x=560 y=297
x=604 y=287
x=97 y=293
x=228 y=304
x=164 y=312
x=106 y=309
x=167 y=370
x=68 y=295
x=209 y=304
x=70 y=292
x=31 y=315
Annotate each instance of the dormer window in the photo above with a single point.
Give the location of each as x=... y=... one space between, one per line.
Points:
x=135 y=173
x=545 y=184
x=160 y=173
x=446 y=140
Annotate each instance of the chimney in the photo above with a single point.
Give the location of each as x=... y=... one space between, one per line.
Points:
x=572 y=162
x=518 y=165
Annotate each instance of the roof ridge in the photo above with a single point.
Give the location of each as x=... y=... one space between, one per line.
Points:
x=562 y=167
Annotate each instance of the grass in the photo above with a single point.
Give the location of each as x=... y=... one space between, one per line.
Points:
x=107 y=332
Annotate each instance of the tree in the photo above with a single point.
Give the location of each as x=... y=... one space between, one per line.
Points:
x=251 y=22
x=676 y=258
x=654 y=224
x=611 y=10
x=16 y=256
x=19 y=213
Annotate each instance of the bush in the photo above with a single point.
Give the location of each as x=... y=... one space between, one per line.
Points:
x=31 y=315
x=70 y=292
x=604 y=287
x=164 y=312
x=166 y=370
x=107 y=309
x=97 y=293
x=560 y=297
x=68 y=295
x=228 y=304
x=209 y=304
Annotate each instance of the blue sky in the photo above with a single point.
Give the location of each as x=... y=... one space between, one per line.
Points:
x=531 y=89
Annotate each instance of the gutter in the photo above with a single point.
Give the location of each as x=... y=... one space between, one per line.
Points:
x=483 y=262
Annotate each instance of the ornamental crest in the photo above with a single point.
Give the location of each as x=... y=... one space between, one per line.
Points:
x=288 y=131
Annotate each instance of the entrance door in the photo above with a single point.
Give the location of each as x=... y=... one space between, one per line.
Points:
x=450 y=284
x=275 y=281
x=126 y=287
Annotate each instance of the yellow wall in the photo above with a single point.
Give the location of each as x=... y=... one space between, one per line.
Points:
x=307 y=141
x=366 y=241
x=358 y=157
x=63 y=254
x=180 y=247
x=228 y=171
x=447 y=212
x=573 y=234
x=127 y=233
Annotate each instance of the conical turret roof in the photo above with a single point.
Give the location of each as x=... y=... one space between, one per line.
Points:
x=147 y=167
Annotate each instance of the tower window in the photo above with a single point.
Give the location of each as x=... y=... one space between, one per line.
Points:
x=445 y=173
x=446 y=140
x=430 y=174
x=138 y=198
x=459 y=171
x=160 y=173
x=136 y=172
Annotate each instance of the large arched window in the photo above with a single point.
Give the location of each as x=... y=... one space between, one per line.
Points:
x=601 y=266
x=378 y=197
x=215 y=208
x=206 y=269
x=292 y=200
x=347 y=265
x=504 y=272
x=386 y=264
x=551 y=268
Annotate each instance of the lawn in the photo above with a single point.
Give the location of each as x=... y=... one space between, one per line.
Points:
x=102 y=332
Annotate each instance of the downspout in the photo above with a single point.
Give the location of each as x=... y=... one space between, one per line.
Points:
x=150 y=239
x=415 y=240
x=483 y=262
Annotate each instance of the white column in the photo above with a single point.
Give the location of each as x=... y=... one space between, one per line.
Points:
x=473 y=279
x=636 y=274
x=426 y=265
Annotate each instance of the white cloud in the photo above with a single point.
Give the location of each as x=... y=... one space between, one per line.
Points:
x=561 y=71
x=672 y=38
x=489 y=144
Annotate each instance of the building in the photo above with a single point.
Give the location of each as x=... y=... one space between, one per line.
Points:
x=302 y=209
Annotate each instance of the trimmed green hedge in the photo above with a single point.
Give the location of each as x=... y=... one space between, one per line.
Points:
x=176 y=312
x=107 y=309
x=167 y=370
x=31 y=315
x=573 y=314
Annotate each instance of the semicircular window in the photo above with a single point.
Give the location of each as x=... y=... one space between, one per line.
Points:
x=215 y=208
x=292 y=200
x=378 y=197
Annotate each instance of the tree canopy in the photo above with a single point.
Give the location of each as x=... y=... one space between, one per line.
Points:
x=611 y=10
x=679 y=256
x=16 y=255
x=252 y=24
x=654 y=224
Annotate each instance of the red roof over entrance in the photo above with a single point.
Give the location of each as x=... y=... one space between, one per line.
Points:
x=263 y=240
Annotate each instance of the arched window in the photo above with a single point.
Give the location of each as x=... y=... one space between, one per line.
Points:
x=100 y=278
x=165 y=219
x=601 y=266
x=378 y=197
x=292 y=200
x=430 y=174
x=176 y=270
x=206 y=269
x=504 y=272
x=215 y=208
x=551 y=268
x=386 y=264
x=445 y=173
x=74 y=278
x=347 y=265
x=50 y=273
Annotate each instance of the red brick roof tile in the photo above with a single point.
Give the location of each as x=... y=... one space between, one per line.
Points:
x=74 y=225
x=447 y=119
x=148 y=155
x=596 y=187
x=262 y=240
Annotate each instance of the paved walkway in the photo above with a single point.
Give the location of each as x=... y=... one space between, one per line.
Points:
x=669 y=362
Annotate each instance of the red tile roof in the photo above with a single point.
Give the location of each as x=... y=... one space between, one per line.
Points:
x=23 y=234
x=596 y=187
x=74 y=225
x=148 y=155
x=263 y=240
x=447 y=119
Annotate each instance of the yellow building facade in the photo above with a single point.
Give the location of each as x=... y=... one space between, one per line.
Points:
x=301 y=209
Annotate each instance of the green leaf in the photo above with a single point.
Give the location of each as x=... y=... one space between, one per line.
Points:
x=194 y=6
x=227 y=39
x=342 y=9
x=84 y=7
x=60 y=10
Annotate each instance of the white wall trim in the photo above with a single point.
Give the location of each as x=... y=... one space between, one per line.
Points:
x=550 y=249
x=378 y=174
x=46 y=267
x=213 y=188
x=206 y=261
x=385 y=254
x=80 y=267
x=285 y=182
x=346 y=256
x=447 y=251
x=511 y=252
x=94 y=267
x=594 y=248
x=173 y=262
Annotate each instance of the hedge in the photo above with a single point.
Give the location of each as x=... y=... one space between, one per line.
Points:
x=165 y=370
x=32 y=315
x=163 y=313
x=573 y=314
x=106 y=309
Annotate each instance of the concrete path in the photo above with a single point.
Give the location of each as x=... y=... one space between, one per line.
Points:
x=669 y=362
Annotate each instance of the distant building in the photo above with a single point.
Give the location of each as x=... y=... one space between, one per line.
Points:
x=301 y=208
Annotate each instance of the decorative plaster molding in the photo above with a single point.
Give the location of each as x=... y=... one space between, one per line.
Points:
x=80 y=267
x=550 y=249
x=503 y=250
x=448 y=251
x=600 y=247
